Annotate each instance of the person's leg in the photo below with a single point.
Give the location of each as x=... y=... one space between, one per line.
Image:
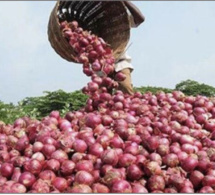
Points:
x=126 y=85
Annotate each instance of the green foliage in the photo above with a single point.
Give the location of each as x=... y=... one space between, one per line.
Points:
x=38 y=107
x=194 y=88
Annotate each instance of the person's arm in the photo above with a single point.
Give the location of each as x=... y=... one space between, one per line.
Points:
x=136 y=13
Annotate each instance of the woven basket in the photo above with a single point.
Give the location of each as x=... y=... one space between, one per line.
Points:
x=106 y=19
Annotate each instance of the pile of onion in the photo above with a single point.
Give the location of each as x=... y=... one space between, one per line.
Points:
x=117 y=143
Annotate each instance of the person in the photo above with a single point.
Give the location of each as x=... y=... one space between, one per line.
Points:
x=123 y=63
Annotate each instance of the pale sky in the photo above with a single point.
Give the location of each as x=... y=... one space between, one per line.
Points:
x=175 y=43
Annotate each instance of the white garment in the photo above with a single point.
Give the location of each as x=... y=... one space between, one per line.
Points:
x=123 y=62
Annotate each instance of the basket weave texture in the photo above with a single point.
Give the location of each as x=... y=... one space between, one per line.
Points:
x=106 y=19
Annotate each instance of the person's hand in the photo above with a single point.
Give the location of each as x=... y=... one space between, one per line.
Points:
x=135 y=12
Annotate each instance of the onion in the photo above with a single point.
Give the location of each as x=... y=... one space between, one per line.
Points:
x=206 y=189
x=67 y=167
x=59 y=155
x=38 y=156
x=83 y=177
x=27 y=179
x=138 y=188
x=156 y=182
x=53 y=165
x=47 y=175
x=77 y=157
x=79 y=145
x=16 y=174
x=171 y=160
x=48 y=149
x=81 y=188
x=152 y=168
x=134 y=172
x=189 y=164
x=196 y=178
x=18 y=188
x=40 y=186
x=96 y=149
x=33 y=166
x=109 y=156
x=60 y=184
x=37 y=146
x=177 y=181
x=100 y=188
x=208 y=180
x=22 y=143
x=7 y=170
x=121 y=186
x=92 y=120
x=156 y=157
x=84 y=165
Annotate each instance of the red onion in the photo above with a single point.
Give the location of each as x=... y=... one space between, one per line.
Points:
x=109 y=156
x=163 y=150
x=189 y=164
x=121 y=186
x=171 y=160
x=60 y=184
x=67 y=167
x=206 y=189
x=170 y=190
x=18 y=188
x=47 y=175
x=27 y=179
x=7 y=170
x=100 y=188
x=92 y=120
x=96 y=149
x=33 y=166
x=156 y=182
x=81 y=188
x=138 y=188
x=53 y=165
x=16 y=174
x=187 y=190
x=40 y=186
x=134 y=172
x=22 y=143
x=37 y=146
x=83 y=177
x=79 y=145
x=196 y=178
x=208 y=180
x=152 y=168
x=59 y=155
x=84 y=165
x=177 y=181
x=156 y=157
x=76 y=157
x=38 y=156
x=48 y=149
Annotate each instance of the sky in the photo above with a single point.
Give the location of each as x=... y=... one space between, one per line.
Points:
x=175 y=43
